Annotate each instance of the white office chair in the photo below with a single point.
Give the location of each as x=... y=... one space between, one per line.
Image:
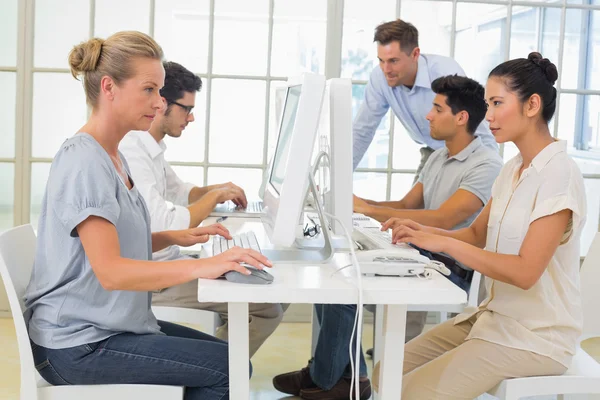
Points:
x=17 y=250
x=583 y=377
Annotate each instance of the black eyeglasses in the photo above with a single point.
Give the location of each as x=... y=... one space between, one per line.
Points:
x=188 y=109
x=312 y=231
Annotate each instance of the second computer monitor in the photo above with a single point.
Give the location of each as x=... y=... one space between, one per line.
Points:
x=335 y=139
x=288 y=176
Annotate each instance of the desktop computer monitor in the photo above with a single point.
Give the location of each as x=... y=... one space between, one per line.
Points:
x=335 y=139
x=288 y=177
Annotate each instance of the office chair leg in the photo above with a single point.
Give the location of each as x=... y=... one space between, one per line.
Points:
x=374 y=335
x=443 y=316
x=378 y=333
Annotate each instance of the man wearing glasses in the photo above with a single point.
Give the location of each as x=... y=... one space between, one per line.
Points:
x=174 y=204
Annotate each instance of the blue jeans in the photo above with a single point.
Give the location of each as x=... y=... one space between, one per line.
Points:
x=332 y=360
x=181 y=357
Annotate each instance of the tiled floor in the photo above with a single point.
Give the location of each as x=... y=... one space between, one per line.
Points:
x=287 y=350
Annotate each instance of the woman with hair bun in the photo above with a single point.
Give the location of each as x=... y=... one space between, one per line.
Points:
x=88 y=300
x=526 y=244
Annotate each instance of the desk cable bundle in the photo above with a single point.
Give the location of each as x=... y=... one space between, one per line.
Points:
x=357 y=328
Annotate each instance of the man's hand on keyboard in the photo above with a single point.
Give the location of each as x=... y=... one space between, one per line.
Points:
x=229 y=191
x=192 y=236
x=360 y=205
x=231 y=260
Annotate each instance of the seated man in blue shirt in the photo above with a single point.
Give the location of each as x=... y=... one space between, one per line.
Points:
x=454 y=186
x=402 y=82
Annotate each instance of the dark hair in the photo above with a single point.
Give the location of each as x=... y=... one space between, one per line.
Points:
x=178 y=80
x=463 y=94
x=528 y=76
x=398 y=31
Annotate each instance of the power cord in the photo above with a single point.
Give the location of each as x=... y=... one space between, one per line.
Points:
x=439 y=267
x=357 y=328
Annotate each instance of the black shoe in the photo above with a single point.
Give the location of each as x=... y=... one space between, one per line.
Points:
x=370 y=352
x=341 y=391
x=293 y=382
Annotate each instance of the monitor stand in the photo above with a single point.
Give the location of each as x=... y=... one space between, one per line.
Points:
x=310 y=250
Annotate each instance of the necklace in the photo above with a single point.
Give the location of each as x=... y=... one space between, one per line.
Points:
x=119 y=167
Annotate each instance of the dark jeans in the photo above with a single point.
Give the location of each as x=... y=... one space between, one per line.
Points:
x=332 y=360
x=460 y=282
x=181 y=357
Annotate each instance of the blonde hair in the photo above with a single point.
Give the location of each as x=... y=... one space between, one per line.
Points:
x=111 y=57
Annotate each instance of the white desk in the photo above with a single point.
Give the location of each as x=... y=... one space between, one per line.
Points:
x=315 y=284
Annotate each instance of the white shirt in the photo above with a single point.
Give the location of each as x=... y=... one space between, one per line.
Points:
x=547 y=318
x=158 y=184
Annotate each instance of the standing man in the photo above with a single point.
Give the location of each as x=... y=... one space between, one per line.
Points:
x=402 y=81
x=158 y=184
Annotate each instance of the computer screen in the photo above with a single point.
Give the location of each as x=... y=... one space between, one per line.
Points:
x=285 y=190
x=335 y=139
x=282 y=151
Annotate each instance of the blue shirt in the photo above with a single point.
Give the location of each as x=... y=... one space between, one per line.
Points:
x=409 y=105
x=66 y=305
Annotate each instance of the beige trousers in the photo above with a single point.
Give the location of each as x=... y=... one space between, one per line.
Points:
x=440 y=364
x=415 y=320
x=263 y=319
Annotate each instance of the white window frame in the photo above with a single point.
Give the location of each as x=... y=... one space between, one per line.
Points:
x=24 y=69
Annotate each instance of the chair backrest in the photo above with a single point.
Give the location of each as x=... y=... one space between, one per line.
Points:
x=590 y=295
x=17 y=251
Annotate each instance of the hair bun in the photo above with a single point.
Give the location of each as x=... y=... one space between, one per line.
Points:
x=84 y=57
x=546 y=65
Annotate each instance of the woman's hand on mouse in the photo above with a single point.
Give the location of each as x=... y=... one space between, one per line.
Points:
x=230 y=261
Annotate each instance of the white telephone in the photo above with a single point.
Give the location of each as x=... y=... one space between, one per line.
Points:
x=378 y=256
x=396 y=262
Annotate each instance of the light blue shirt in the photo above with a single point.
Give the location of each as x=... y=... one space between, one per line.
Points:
x=474 y=169
x=409 y=105
x=66 y=305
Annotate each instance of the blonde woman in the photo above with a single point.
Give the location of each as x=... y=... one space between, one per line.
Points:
x=526 y=244
x=88 y=300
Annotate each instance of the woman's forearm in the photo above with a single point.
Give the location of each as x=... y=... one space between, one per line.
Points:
x=467 y=235
x=126 y=274
x=506 y=268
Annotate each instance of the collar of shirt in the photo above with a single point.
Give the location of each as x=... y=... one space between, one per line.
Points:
x=422 y=79
x=153 y=148
x=547 y=153
x=467 y=151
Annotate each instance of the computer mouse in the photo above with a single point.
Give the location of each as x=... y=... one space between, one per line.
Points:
x=256 y=277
